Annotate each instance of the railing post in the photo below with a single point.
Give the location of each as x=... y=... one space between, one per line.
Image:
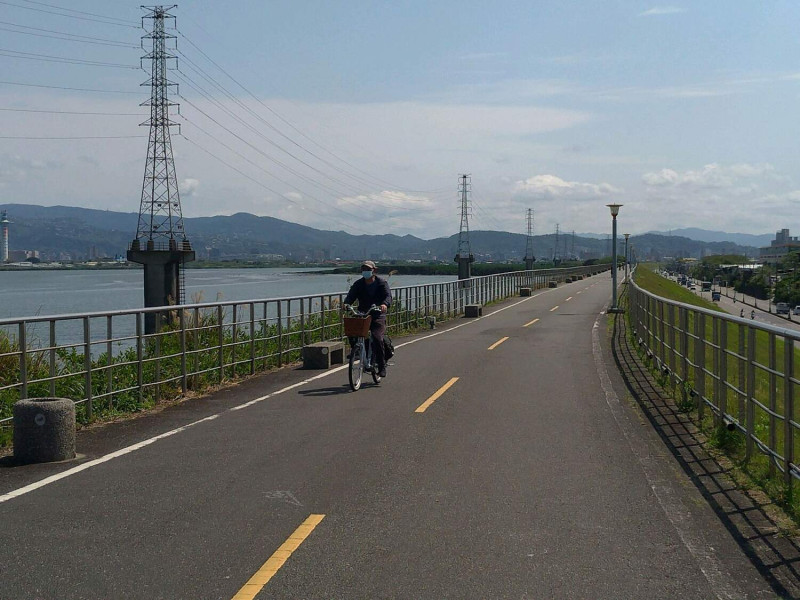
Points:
x=302 y=323
x=773 y=399
x=23 y=361
x=280 y=335
x=751 y=390
x=742 y=383
x=788 y=411
x=221 y=344
x=184 y=380
x=252 y=338
x=322 y=317
x=109 y=361
x=235 y=338
x=158 y=356
x=684 y=317
x=700 y=361
x=139 y=357
x=87 y=365
x=723 y=368
x=52 y=358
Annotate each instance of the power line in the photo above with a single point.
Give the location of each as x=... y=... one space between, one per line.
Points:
x=79 y=137
x=70 y=112
x=348 y=225
x=298 y=131
x=74 y=89
x=64 y=36
x=50 y=12
x=72 y=10
x=59 y=59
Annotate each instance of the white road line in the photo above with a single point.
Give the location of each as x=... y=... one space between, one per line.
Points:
x=132 y=448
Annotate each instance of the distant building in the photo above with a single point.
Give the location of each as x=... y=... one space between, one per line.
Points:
x=779 y=247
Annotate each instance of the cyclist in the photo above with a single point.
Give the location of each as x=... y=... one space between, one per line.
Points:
x=372 y=290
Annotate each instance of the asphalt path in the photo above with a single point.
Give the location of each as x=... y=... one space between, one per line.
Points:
x=529 y=476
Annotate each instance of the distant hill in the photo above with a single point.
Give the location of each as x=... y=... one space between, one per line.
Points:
x=704 y=235
x=59 y=231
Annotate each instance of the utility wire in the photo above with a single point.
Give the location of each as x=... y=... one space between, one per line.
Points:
x=79 y=137
x=347 y=225
x=50 y=12
x=298 y=131
x=70 y=112
x=74 y=89
x=59 y=59
x=350 y=193
x=278 y=178
x=72 y=10
x=67 y=37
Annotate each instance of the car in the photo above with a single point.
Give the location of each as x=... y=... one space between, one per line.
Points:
x=796 y=310
x=782 y=308
x=693 y=287
x=715 y=296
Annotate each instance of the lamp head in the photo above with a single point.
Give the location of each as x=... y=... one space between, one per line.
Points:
x=614 y=209
x=627 y=235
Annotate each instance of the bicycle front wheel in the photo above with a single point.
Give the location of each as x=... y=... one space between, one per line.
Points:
x=356 y=366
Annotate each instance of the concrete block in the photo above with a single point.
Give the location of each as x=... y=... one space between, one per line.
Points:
x=525 y=291
x=321 y=355
x=580 y=277
x=44 y=430
x=553 y=283
x=568 y=280
x=473 y=310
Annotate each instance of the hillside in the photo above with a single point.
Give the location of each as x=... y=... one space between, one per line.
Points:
x=62 y=231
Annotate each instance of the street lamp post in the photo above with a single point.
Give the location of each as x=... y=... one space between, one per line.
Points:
x=627 y=235
x=614 y=212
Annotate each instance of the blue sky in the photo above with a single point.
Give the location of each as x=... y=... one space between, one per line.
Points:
x=361 y=115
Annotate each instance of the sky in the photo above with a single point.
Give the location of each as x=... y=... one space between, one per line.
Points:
x=361 y=116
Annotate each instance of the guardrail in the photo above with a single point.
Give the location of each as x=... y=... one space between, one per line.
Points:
x=106 y=362
x=740 y=370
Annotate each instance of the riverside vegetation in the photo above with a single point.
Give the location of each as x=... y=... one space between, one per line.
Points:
x=769 y=354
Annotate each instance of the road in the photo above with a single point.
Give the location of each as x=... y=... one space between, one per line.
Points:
x=530 y=476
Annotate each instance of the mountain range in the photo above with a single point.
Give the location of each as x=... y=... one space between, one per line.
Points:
x=63 y=232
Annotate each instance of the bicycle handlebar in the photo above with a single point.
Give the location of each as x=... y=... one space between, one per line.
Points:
x=354 y=312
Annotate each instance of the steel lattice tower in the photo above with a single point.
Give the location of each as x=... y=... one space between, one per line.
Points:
x=464 y=255
x=160 y=243
x=160 y=215
x=529 y=258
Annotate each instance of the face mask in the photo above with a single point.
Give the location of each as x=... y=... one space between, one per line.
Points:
x=366 y=274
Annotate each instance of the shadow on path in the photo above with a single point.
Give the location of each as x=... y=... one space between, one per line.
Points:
x=776 y=556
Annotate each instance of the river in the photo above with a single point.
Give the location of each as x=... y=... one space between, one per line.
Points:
x=30 y=293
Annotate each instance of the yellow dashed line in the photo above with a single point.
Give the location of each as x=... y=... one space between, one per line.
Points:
x=497 y=343
x=257 y=582
x=529 y=323
x=424 y=406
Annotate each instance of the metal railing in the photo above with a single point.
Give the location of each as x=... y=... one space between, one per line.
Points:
x=740 y=370
x=107 y=362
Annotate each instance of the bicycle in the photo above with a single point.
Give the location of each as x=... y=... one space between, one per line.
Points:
x=357 y=326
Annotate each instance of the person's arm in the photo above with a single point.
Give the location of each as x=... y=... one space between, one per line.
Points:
x=387 y=295
x=352 y=295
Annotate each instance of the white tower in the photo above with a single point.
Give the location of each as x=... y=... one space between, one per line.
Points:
x=4 y=248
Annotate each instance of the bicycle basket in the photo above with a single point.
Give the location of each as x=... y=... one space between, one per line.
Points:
x=357 y=326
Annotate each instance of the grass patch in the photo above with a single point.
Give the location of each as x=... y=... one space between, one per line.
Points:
x=752 y=361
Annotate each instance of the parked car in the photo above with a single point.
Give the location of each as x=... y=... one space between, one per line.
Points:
x=693 y=288
x=782 y=308
x=796 y=310
x=715 y=296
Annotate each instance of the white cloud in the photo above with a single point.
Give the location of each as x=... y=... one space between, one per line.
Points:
x=551 y=186
x=188 y=187
x=662 y=10
x=710 y=176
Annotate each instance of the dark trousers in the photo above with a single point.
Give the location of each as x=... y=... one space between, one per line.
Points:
x=378 y=328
